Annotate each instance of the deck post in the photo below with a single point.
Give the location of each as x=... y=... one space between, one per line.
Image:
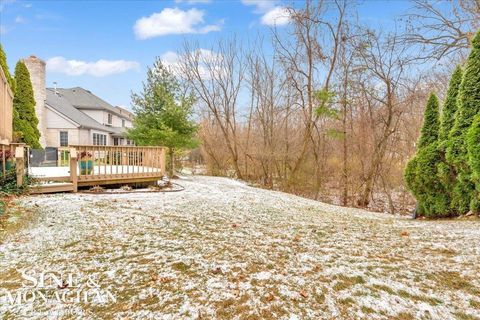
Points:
x=162 y=160
x=4 y=159
x=19 y=165
x=73 y=169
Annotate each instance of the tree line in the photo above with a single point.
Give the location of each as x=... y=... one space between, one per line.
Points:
x=332 y=108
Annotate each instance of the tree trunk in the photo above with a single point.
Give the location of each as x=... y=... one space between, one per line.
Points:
x=345 y=149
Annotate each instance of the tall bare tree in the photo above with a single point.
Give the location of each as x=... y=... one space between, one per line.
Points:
x=216 y=77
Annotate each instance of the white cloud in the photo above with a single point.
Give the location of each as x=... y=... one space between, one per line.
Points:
x=260 y=5
x=100 y=68
x=173 y=21
x=19 y=19
x=278 y=16
x=272 y=15
x=204 y=56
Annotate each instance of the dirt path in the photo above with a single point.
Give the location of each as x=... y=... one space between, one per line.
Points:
x=221 y=249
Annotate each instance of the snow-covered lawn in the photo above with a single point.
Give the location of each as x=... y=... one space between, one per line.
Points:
x=222 y=250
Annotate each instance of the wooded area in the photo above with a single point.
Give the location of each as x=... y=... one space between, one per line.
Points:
x=335 y=108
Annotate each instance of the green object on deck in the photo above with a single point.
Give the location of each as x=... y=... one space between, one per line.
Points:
x=86 y=167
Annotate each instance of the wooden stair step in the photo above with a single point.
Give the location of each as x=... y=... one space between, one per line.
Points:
x=51 y=188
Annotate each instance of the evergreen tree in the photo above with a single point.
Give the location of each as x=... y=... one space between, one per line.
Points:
x=163 y=113
x=4 y=65
x=473 y=146
x=25 y=120
x=449 y=109
x=431 y=193
x=468 y=107
x=471 y=99
x=431 y=123
x=446 y=171
x=421 y=172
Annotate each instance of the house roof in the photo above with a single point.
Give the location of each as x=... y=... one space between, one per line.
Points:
x=126 y=113
x=84 y=99
x=62 y=105
x=118 y=131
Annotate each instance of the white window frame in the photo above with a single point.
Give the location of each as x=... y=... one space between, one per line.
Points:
x=109 y=118
x=60 y=138
x=98 y=138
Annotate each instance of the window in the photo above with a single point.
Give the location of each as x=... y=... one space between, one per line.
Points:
x=63 y=138
x=123 y=123
x=110 y=118
x=99 y=139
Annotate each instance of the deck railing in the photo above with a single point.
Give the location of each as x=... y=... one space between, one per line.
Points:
x=118 y=162
x=7 y=156
x=90 y=165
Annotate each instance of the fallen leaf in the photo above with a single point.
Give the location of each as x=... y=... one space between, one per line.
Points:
x=303 y=293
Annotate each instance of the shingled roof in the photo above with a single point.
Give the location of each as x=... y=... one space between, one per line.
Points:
x=61 y=104
x=84 y=99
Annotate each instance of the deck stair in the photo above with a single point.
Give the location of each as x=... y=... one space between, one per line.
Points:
x=52 y=187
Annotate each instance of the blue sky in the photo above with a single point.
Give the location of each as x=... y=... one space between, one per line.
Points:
x=106 y=46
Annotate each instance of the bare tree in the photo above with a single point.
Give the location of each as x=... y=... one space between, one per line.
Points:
x=266 y=87
x=311 y=50
x=216 y=77
x=384 y=61
x=442 y=28
x=332 y=114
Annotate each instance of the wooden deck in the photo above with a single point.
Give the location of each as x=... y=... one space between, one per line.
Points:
x=101 y=165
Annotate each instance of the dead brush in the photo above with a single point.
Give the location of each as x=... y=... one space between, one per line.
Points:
x=126 y=188
x=96 y=189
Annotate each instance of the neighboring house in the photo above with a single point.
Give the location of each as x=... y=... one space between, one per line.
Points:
x=75 y=116
x=6 y=110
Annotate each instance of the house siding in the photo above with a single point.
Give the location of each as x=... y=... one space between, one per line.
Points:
x=54 y=121
x=6 y=110
x=53 y=136
x=102 y=117
x=96 y=115
x=55 y=124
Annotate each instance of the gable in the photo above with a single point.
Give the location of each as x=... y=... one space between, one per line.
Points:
x=55 y=120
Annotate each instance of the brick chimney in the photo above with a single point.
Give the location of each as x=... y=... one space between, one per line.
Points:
x=36 y=67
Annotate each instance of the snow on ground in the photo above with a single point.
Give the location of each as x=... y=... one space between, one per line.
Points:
x=224 y=250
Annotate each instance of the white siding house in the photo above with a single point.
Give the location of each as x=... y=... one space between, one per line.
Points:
x=77 y=116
